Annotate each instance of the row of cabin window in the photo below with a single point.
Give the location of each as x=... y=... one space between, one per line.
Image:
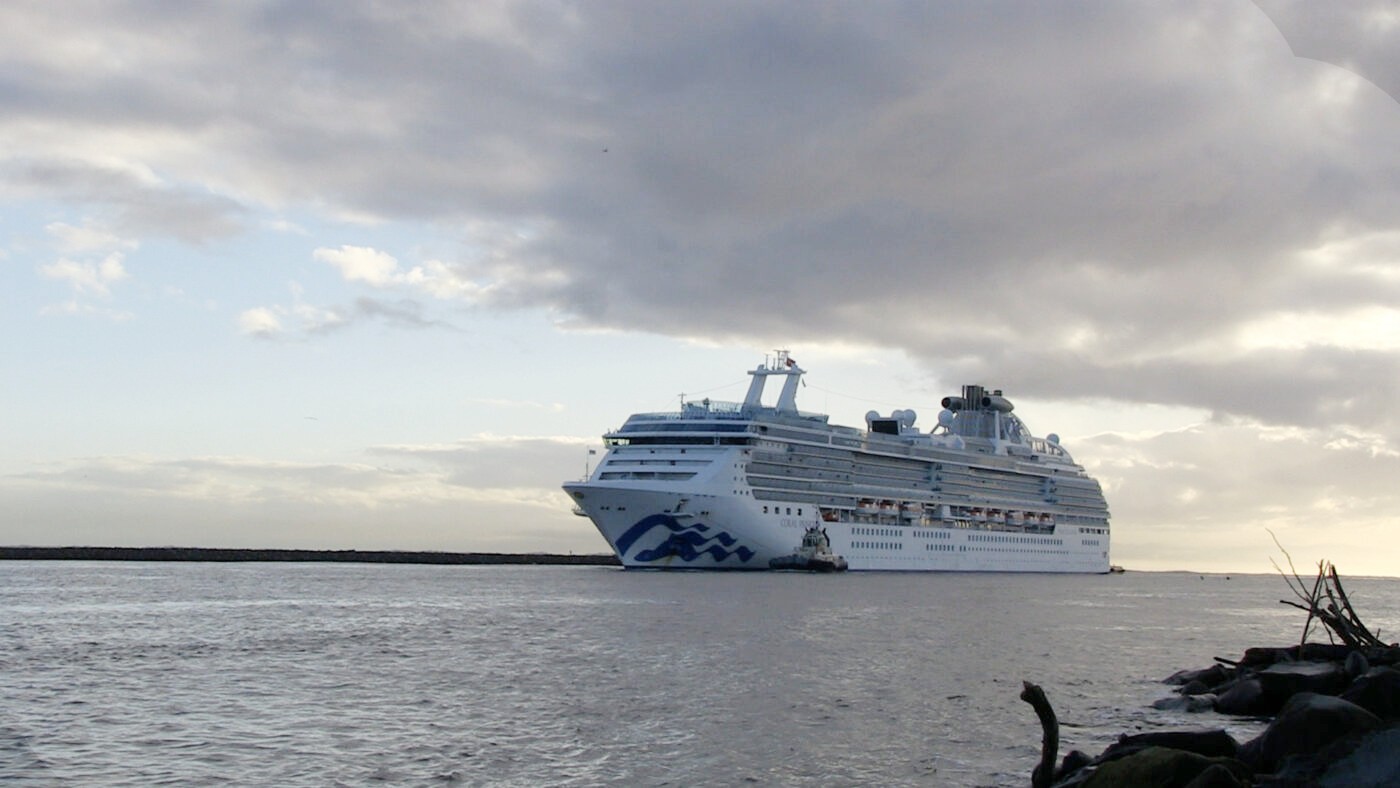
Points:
x=1012 y=539
x=789 y=510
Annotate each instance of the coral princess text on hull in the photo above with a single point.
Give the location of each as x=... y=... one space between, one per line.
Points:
x=721 y=485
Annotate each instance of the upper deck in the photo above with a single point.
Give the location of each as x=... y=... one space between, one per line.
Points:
x=979 y=460
x=974 y=423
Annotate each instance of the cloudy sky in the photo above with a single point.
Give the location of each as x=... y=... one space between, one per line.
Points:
x=376 y=275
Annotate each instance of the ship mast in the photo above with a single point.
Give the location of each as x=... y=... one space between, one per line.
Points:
x=780 y=364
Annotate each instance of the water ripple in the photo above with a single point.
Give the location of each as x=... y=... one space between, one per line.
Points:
x=310 y=674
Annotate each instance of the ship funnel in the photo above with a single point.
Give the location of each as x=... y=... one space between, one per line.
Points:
x=997 y=403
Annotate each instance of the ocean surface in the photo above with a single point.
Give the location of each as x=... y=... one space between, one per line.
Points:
x=323 y=674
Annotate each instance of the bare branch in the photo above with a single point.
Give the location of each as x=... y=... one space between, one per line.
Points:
x=1301 y=589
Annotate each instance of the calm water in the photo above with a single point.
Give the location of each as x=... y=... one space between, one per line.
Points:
x=316 y=674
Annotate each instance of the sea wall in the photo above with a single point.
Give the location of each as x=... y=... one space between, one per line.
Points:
x=1334 y=714
x=340 y=556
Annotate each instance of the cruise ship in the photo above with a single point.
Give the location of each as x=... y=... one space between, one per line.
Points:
x=733 y=485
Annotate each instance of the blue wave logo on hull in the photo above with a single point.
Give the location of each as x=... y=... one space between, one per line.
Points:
x=684 y=542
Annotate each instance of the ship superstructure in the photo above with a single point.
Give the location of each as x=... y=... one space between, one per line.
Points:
x=722 y=485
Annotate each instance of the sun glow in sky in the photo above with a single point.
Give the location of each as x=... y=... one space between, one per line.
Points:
x=377 y=275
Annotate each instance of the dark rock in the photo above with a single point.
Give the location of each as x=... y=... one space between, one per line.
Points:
x=1357 y=664
x=1194 y=687
x=1378 y=691
x=1265 y=692
x=1260 y=656
x=1075 y=779
x=1211 y=677
x=1322 y=652
x=1191 y=704
x=1244 y=697
x=1282 y=681
x=1180 y=677
x=1307 y=723
x=1161 y=767
x=1362 y=760
x=1074 y=760
x=1217 y=775
x=1373 y=763
x=1212 y=743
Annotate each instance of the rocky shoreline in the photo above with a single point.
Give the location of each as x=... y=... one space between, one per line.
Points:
x=214 y=554
x=1333 y=712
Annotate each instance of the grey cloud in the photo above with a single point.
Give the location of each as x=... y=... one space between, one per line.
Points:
x=404 y=313
x=1311 y=386
x=400 y=313
x=1362 y=36
x=138 y=208
x=975 y=184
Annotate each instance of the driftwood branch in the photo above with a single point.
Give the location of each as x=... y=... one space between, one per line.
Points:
x=1312 y=605
x=1328 y=603
x=1044 y=772
x=1301 y=590
x=1368 y=638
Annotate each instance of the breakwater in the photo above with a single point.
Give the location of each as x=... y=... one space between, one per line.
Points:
x=1333 y=711
x=217 y=554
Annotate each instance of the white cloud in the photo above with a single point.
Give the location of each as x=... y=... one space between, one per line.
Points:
x=260 y=322
x=315 y=319
x=1367 y=328
x=498 y=266
x=362 y=264
x=90 y=278
x=87 y=238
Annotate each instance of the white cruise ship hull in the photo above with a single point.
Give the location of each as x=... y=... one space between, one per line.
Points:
x=646 y=531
